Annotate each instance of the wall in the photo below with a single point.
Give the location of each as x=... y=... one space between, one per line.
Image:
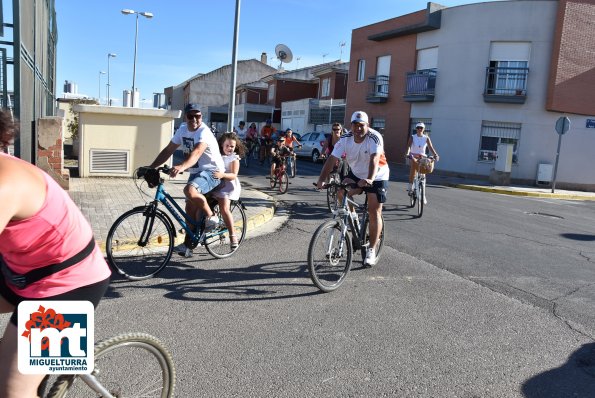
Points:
x=50 y=156
x=144 y=132
x=403 y=57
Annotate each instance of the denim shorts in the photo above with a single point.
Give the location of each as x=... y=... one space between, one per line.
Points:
x=204 y=182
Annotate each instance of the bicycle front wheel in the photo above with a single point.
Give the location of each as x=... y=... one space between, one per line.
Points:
x=140 y=243
x=420 y=199
x=218 y=241
x=129 y=365
x=283 y=182
x=329 y=256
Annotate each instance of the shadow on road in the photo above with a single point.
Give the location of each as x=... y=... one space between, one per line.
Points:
x=580 y=237
x=576 y=378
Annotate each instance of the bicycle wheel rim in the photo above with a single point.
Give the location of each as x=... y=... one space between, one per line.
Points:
x=273 y=181
x=130 y=365
x=218 y=241
x=135 y=261
x=283 y=182
x=329 y=257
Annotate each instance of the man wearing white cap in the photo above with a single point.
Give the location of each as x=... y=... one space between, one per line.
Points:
x=364 y=153
x=416 y=149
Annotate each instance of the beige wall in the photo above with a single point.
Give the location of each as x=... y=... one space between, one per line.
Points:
x=141 y=132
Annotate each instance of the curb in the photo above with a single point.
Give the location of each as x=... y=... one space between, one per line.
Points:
x=522 y=193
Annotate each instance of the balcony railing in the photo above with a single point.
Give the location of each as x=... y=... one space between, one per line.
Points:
x=377 y=89
x=420 y=86
x=508 y=85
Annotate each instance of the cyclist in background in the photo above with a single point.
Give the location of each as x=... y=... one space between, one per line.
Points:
x=47 y=252
x=266 y=140
x=290 y=140
x=329 y=144
x=242 y=130
x=278 y=152
x=364 y=153
x=416 y=149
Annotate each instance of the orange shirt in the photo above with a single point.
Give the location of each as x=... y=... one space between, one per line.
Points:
x=267 y=131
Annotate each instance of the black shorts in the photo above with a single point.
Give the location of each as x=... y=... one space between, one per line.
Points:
x=92 y=293
x=378 y=187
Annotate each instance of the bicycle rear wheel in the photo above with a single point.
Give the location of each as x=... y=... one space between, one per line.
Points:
x=283 y=182
x=140 y=243
x=329 y=256
x=218 y=242
x=129 y=365
x=291 y=166
x=332 y=199
x=411 y=197
x=420 y=199
x=379 y=244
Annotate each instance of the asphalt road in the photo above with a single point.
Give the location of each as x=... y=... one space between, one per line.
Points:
x=485 y=296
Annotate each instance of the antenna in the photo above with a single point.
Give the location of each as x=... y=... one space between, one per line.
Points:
x=341 y=45
x=324 y=56
x=297 y=61
x=283 y=53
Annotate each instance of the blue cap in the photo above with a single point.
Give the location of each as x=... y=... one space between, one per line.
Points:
x=191 y=107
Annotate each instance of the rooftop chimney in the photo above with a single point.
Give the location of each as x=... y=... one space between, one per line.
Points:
x=263 y=58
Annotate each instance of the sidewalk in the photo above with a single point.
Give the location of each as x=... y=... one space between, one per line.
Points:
x=103 y=200
x=440 y=178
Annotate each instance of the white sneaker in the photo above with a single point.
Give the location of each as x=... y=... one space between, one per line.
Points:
x=211 y=223
x=370 y=259
x=183 y=250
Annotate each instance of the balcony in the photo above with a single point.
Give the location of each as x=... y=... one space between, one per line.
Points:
x=377 y=89
x=420 y=86
x=506 y=85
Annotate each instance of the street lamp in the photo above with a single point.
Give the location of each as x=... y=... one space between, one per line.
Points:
x=109 y=101
x=147 y=15
x=99 y=94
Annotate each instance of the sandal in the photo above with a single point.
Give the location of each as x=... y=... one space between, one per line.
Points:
x=233 y=242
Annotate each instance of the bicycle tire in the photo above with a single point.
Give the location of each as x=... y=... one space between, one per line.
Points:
x=420 y=200
x=379 y=244
x=291 y=167
x=283 y=182
x=328 y=262
x=273 y=181
x=411 y=197
x=332 y=199
x=127 y=257
x=122 y=354
x=218 y=242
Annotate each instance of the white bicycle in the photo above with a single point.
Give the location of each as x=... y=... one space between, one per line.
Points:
x=417 y=195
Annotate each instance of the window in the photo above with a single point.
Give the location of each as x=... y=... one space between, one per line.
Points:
x=494 y=133
x=378 y=124
x=326 y=88
x=509 y=77
x=361 y=70
x=271 y=95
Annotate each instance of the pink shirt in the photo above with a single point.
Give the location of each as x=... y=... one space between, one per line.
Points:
x=57 y=232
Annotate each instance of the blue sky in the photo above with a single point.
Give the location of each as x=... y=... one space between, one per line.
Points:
x=186 y=37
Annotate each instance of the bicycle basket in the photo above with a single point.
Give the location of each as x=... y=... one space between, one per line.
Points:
x=426 y=166
x=152 y=177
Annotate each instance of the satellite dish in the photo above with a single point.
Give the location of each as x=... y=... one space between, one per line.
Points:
x=283 y=54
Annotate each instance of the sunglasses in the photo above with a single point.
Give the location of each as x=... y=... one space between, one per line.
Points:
x=191 y=116
x=419 y=128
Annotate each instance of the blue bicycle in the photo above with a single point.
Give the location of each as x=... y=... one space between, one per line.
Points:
x=141 y=241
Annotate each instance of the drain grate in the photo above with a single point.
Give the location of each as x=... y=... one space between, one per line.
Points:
x=537 y=213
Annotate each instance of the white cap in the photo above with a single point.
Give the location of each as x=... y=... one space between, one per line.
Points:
x=420 y=124
x=359 y=117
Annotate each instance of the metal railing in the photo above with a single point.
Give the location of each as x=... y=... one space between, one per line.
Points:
x=506 y=81
x=421 y=82
x=378 y=88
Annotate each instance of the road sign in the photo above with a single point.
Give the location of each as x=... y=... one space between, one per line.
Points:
x=562 y=125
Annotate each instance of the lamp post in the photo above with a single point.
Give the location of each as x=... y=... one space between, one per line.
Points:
x=109 y=101
x=99 y=94
x=147 y=15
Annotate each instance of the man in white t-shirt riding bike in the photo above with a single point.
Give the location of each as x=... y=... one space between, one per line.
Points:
x=364 y=153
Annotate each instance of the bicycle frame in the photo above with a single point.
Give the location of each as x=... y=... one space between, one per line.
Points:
x=348 y=218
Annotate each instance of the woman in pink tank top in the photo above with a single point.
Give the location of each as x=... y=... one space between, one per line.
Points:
x=47 y=251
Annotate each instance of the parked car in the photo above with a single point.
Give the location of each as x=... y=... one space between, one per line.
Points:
x=312 y=145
